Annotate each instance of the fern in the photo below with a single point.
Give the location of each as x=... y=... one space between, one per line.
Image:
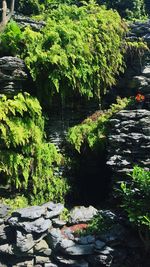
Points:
x=27 y=161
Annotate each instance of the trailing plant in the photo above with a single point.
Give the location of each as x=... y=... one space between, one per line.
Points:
x=27 y=162
x=10 y=40
x=136 y=202
x=83 y=59
x=93 y=131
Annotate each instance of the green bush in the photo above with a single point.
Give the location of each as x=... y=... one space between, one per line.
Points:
x=27 y=162
x=136 y=202
x=127 y=8
x=10 y=40
x=27 y=7
x=82 y=59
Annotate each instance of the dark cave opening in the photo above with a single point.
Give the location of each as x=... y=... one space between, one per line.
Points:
x=91 y=180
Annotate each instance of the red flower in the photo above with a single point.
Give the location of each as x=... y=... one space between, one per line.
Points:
x=140 y=97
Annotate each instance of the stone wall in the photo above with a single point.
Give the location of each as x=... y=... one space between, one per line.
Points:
x=12 y=75
x=129 y=140
x=37 y=236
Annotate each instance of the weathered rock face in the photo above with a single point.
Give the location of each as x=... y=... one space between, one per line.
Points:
x=25 y=21
x=12 y=75
x=129 y=140
x=140 y=30
x=21 y=244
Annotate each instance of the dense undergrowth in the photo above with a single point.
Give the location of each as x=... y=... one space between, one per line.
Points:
x=28 y=163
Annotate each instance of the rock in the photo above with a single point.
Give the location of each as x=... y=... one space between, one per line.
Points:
x=85 y=240
x=71 y=262
x=53 y=209
x=25 y=21
x=82 y=214
x=40 y=225
x=79 y=250
x=107 y=214
x=107 y=250
x=146 y=71
x=30 y=213
x=24 y=263
x=4 y=210
x=41 y=260
x=113 y=236
x=6 y=249
x=100 y=260
x=42 y=248
x=65 y=243
x=24 y=242
x=50 y=264
x=12 y=75
x=1 y=221
x=6 y=234
x=130 y=145
x=54 y=238
x=58 y=223
x=99 y=245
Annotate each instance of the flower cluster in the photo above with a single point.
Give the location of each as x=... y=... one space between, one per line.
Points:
x=139 y=97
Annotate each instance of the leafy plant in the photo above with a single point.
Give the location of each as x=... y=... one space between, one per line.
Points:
x=83 y=59
x=136 y=202
x=10 y=39
x=97 y=225
x=27 y=162
x=93 y=132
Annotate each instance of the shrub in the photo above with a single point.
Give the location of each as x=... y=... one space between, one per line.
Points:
x=127 y=8
x=27 y=162
x=10 y=40
x=136 y=202
x=82 y=59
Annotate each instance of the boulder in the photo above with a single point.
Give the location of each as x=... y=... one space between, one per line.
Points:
x=82 y=214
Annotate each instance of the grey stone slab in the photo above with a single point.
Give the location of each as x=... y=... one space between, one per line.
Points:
x=32 y=213
x=82 y=214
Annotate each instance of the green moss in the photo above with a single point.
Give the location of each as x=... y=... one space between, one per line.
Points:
x=93 y=133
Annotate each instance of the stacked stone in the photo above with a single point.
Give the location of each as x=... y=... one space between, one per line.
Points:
x=129 y=140
x=25 y=21
x=12 y=75
x=35 y=236
x=140 y=30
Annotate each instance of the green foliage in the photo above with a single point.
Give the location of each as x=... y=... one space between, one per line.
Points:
x=97 y=225
x=83 y=58
x=64 y=215
x=127 y=8
x=136 y=201
x=10 y=39
x=15 y=203
x=136 y=197
x=27 y=162
x=93 y=133
x=27 y=7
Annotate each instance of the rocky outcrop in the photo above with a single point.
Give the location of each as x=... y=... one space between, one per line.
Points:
x=141 y=84
x=140 y=30
x=12 y=75
x=30 y=238
x=129 y=140
x=24 y=21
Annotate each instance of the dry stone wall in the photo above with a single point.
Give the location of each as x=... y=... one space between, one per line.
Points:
x=129 y=140
x=37 y=237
